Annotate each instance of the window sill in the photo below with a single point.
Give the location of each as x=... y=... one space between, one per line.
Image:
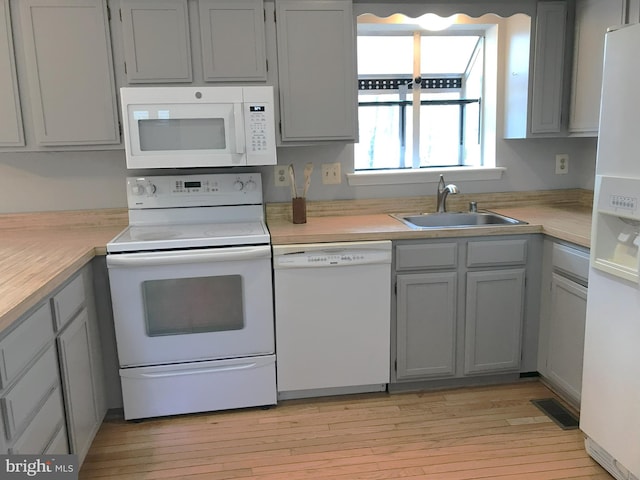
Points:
x=399 y=177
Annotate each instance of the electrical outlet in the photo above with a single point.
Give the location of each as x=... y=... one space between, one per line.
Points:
x=281 y=176
x=562 y=163
x=331 y=173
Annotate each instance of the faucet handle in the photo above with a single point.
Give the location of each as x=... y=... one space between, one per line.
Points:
x=473 y=207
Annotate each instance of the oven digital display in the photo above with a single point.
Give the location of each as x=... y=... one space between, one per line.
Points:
x=192 y=185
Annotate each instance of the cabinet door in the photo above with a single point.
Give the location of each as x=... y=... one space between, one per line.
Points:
x=11 y=133
x=156 y=41
x=592 y=19
x=69 y=71
x=77 y=364
x=426 y=319
x=548 y=68
x=316 y=70
x=493 y=328
x=239 y=23
x=566 y=335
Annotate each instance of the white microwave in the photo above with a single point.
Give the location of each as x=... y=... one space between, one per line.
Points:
x=181 y=127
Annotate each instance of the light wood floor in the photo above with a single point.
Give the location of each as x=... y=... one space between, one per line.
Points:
x=485 y=432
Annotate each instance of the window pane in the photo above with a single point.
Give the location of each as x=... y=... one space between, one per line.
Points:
x=383 y=55
x=445 y=54
x=471 y=135
x=439 y=135
x=379 y=145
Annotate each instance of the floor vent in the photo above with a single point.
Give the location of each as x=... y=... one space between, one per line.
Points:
x=556 y=412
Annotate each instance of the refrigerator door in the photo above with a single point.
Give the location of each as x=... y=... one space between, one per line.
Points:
x=610 y=406
x=618 y=138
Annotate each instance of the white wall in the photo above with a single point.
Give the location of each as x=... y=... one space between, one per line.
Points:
x=530 y=165
x=35 y=181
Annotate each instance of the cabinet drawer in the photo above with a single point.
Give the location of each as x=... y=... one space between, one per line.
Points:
x=40 y=432
x=28 y=394
x=571 y=260
x=435 y=255
x=69 y=301
x=22 y=345
x=496 y=252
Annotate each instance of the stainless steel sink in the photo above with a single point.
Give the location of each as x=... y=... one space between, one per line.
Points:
x=455 y=220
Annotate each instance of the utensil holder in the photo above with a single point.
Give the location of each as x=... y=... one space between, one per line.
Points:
x=299 y=209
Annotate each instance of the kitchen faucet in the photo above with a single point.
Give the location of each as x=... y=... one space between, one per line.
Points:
x=443 y=192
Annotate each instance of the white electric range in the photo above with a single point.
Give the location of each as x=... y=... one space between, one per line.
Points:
x=192 y=295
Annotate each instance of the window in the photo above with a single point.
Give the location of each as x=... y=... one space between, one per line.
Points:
x=420 y=97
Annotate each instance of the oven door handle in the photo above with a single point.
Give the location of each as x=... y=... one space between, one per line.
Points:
x=147 y=259
x=190 y=371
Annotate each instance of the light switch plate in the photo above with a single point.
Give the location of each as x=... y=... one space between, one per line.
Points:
x=331 y=173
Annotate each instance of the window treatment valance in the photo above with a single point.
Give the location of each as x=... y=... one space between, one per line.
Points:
x=417 y=8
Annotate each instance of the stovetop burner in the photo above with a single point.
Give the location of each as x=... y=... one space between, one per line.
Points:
x=218 y=210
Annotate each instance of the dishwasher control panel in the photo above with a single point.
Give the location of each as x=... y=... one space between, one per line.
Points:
x=331 y=259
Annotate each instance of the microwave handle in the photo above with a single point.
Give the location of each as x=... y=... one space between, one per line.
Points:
x=238 y=118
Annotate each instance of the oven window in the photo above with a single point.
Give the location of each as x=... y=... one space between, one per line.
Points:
x=181 y=134
x=193 y=305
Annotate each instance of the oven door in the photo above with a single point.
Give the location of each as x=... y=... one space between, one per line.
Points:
x=192 y=305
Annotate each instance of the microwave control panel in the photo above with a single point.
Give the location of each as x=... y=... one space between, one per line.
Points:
x=258 y=141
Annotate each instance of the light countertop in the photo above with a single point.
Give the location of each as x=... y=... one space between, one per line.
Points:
x=572 y=224
x=35 y=259
x=39 y=252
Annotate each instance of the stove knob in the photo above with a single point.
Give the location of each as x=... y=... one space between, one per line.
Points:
x=150 y=189
x=238 y=185
x=250 y=186
x=137 y=189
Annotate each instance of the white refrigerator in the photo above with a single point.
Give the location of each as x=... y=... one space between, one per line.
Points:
x=610 y=405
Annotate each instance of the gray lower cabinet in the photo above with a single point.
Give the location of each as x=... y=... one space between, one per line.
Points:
x=156 y=41
x=459 y=307
x=51 y=375
x=81 y=363
x=493 y=320
x=69 y=71
x=30 y=393
x=563 y=316
x=426 y=324
x=77 y=366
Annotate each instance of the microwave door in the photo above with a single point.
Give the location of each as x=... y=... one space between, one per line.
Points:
x=175 y=136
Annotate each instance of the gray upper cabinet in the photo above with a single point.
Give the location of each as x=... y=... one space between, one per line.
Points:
x=233 y=40
x=316 y=70
x=156 y=41
x=69 y=72
x=11 y=133
x=547 y=102
x=593 y=17
x=537 y=74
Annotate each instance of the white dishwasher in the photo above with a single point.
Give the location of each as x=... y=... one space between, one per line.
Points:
x=332 y=315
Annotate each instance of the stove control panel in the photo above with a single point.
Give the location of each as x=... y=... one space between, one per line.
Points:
x=174 y=191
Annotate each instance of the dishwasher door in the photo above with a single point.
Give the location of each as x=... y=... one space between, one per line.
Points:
x=333 y=311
